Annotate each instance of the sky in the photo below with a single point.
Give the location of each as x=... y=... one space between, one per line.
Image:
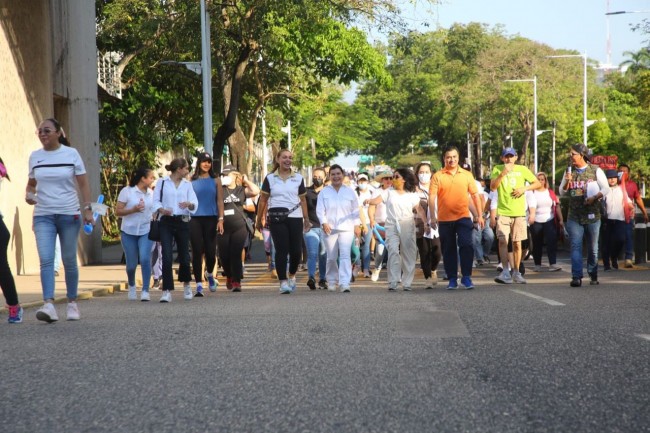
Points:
x=579 y=25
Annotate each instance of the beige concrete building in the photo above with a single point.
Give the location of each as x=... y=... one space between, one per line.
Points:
x=48 y=68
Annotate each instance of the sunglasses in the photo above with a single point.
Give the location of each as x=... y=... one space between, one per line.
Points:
x=44 y=131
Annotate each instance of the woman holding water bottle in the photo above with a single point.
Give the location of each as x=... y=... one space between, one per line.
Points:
x=55 y=171
x=134 y=206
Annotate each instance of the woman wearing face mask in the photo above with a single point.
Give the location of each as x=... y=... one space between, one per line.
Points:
x=314 y=237
x=206 y=222
x=401 y=202
x=365 y=192
x=428 y=246
x=134 y=206
x=283 y=191
x=231 y=242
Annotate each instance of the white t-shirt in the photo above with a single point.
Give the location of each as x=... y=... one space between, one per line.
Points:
x=136 y=224
x=285 y=192
x=339 y=209
x=365 y=195
x=399 y=207
x=614 y=203
x=543 y=204
x=380 y=209
x=55 y=172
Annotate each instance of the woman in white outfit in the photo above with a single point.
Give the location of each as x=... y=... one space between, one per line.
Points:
x=401 y=202
x=338 y=211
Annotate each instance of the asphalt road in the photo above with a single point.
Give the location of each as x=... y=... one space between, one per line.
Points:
x=487 y=360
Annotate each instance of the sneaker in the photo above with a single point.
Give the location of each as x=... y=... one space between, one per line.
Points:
x=311 y=283
x=331 y=287
x=628 y=263
x=537 y=268
x=593 y=279
x=427 y=283
x=15 y=313
x=466 y=282
x=518 y=278
x=499 y=267
x=407 y=289
x=355 y=271
x=156 y=284
x=554 y=268
x=228 y=283
x=47 y=313
x=236 y=286
x=144 y=296
x=375 y=275
x=615 y=263
x=132 y=293
x=366 y=273
x=345 y=289
x=504 y=278
x=575 y=282
x=199 y=290
x=392 y=287
x=166 y=296
x=72 y=312
x=212 y=282
x=284 y=288
x=322 y=284
x=187 y=292
x=486 y=259
x=453 y=284
x=292 y=283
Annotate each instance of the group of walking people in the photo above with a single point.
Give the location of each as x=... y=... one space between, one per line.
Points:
x=447 y=215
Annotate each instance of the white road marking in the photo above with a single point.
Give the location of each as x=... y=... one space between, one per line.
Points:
x=539 y=298
x=644 y=336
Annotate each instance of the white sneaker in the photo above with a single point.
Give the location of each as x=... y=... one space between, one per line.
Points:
x=132 y=294
x=345 y=289
x=518 y=278
x=144 y=296
x=47 y=313
x=366 y=273
x=72 y=312
x=554 y=268
x=292 y=283
x=504 y=278
x=375 y=275
x=284 y=288
x=166 y=296
x=187 y=292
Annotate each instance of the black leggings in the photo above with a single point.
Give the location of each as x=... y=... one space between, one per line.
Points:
x=175 y=229
x=287 y=239
x=6 y=278
x=430 y=254
x=231 y=244
x=203 y=238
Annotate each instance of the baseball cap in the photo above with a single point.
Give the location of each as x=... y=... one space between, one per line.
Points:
x=362 y=176
x=509 y=151
x=611 y=173
x=228 y=169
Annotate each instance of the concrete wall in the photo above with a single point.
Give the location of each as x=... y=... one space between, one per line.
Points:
x=47 y=68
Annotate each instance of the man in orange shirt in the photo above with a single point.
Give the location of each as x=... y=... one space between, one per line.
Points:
x=452 y=186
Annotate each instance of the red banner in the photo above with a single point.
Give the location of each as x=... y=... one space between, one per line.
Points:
x=606 y=162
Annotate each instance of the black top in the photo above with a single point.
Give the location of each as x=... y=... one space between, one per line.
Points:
x=312 y=200
x=233 y=219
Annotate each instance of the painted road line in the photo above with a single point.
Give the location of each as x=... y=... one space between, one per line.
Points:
x=539 y=298
x=644 y=336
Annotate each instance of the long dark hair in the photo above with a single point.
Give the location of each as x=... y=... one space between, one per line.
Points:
x=202 y=157
x=176 y=164
x=410 y=181
x=63 y=139
x=139 y=174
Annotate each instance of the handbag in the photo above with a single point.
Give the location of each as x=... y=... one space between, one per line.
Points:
x=249 y=224
x=154 y=226
x=277 y=215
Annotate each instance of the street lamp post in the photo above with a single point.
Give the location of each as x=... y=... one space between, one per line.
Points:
x=206 y=69
x=535 y=131
x=584 y=89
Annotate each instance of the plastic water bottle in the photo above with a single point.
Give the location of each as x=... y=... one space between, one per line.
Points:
x=88 y=227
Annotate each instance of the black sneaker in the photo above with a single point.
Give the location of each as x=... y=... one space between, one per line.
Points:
x=576 y=282
x=593 y=279
x=311 y=283
x=322 y=284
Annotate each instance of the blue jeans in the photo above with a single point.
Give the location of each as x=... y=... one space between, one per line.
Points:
x=137 y=247
x=315 y=253
x=483 y=240
x=46 y=228
x=449 y=232
x=576 y=233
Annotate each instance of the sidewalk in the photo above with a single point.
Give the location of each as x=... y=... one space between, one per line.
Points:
x=95 y=280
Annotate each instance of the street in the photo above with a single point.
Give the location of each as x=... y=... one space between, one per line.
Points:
x=493 y=359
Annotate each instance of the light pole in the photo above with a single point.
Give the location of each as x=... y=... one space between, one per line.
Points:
x=584 y=89
x=534 y=81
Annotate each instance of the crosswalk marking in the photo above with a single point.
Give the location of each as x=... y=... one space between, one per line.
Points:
x=539 y=298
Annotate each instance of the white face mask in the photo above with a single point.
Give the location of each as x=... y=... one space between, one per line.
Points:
x=363 y=186
x=226 y=180
x=424 y=177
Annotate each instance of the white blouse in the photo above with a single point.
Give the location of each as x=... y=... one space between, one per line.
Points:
x=137 y=223
x=339 y=209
